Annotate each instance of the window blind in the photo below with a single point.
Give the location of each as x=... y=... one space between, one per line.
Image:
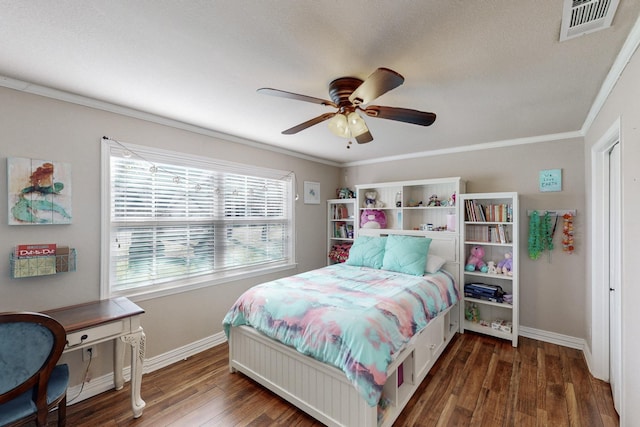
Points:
x=173 y=218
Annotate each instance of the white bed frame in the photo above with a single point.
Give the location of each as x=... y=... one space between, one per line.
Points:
x=323 y=391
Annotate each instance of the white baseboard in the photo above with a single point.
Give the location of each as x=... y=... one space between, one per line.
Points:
x=103 y=383
x=588 y=357
x=553 y=338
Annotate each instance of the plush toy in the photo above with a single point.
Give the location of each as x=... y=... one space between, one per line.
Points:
x=472 y=313
x=506 y=265
x=370 y=201
x=433 y=200
x=475 y=261
x=491 y=267
x=373 y=218
x=344 y=193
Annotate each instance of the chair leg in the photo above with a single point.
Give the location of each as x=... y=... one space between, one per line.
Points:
x=41 y=416
x=62 y=411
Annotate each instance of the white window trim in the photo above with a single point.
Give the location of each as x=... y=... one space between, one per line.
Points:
x=187 y=284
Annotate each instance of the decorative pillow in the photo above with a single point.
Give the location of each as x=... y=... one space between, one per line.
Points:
x=367 y=251
x=434 y=263
x=406 y=254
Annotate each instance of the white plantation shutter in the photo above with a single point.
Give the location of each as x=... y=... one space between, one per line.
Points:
x=175 y=219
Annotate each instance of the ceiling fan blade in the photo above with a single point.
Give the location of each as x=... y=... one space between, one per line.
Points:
x=363 y=138
x=379 y=82
x=401 y=114
x=308 y=123
x=296 y=96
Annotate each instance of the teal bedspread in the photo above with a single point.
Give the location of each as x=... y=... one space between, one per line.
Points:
x=353 y=318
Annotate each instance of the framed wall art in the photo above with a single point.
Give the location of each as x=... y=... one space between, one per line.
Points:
x=39 y=191
x=311 y=193
x=550 y=180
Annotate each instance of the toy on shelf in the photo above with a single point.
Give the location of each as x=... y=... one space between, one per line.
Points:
x=345 y=193
x=472 y=313
x=371 y=202
x=505 y=266
x=373 y=218
x=475 y=261
x=491 y=267
x=433 y=200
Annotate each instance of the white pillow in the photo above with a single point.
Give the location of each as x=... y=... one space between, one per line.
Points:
x=434 y=263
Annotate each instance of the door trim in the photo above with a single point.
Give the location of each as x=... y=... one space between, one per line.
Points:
x=600 y=251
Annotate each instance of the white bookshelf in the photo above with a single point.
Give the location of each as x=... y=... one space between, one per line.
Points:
x=341 y=223
x=490 y=220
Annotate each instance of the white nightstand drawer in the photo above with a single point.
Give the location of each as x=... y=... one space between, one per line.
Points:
x=98 y=333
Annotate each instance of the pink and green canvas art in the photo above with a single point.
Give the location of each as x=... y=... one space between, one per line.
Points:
x=39 y=191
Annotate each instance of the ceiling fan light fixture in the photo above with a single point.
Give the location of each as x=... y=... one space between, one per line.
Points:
x=339 y=126
x=357 y=126
x=348 y=94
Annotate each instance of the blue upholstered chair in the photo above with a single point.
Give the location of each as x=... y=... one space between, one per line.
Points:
x=31 y=383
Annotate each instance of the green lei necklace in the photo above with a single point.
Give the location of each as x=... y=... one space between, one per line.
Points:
x=535 y=245
x=540 y=234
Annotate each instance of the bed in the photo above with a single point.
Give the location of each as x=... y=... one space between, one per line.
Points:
x=336 y=383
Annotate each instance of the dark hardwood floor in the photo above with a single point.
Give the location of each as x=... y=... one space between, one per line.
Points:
x=478 y=381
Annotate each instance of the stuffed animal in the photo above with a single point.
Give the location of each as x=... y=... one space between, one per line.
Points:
x=475 y=261
x=373 y=218
x=491 y=267
x=344 y=193
x=506 y=265
x=370 y=201
x=433 y=200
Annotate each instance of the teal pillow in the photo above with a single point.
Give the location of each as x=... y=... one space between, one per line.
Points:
x=406 y=254
x=367 y=251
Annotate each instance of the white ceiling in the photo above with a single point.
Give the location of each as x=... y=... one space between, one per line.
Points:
x=491 y=70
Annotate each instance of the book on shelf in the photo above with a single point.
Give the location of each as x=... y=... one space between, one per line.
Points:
x=502 y=237
x=488 y=234
x=500 y=212
x=339 y=211
x=340 y=230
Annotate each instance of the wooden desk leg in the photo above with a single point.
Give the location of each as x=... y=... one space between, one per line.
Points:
x=137 y=342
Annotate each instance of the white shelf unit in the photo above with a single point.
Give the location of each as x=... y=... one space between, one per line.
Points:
x=410 y=215
x=484 y=231
x=341 y=223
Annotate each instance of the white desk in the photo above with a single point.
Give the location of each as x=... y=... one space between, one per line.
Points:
x=116 y=319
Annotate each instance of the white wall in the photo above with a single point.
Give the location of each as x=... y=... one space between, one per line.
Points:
x=43 y=128
x=624 y=103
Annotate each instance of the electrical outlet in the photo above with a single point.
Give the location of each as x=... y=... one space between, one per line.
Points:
x=89 y=353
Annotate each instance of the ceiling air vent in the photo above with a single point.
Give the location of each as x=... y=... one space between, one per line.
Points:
x=581 y=17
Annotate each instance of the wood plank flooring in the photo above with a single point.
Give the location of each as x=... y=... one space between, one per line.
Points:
x=478 y=381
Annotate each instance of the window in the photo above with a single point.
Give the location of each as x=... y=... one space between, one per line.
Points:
x=177 y=221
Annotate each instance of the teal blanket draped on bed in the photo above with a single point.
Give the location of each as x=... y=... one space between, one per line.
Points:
x=353 y=318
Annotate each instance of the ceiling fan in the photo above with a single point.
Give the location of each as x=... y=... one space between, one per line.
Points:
x=350 y=95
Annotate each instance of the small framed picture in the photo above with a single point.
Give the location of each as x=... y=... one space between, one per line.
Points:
x=311 y=193
x=550 y=180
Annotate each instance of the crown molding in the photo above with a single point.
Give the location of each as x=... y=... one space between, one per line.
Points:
x=85 y=101
x=472 y=147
